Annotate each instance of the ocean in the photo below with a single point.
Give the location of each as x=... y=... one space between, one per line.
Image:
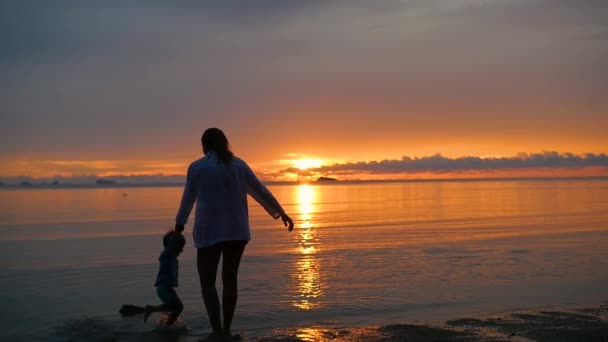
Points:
x=361 y=254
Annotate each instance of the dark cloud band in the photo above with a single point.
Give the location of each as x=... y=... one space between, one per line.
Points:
x=440 y=164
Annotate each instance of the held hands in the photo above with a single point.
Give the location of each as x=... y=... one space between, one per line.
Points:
x=179 y=228
x=287 y=221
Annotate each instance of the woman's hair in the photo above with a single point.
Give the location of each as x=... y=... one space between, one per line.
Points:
x=215 y=140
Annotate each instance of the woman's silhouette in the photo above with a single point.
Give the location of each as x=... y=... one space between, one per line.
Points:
x=219 y=183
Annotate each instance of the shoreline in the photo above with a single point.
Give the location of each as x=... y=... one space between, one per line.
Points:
x=548 y=323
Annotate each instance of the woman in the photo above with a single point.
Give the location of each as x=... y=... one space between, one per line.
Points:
x=219 y=183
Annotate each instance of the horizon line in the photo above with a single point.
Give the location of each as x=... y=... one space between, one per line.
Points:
x=45 y=185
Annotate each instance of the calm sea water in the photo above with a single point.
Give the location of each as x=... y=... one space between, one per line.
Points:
x=361 y=254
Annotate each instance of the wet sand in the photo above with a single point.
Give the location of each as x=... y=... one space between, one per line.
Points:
x=550 y=323
x=555 y=323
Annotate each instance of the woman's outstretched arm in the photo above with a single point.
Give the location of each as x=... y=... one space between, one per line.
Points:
x=265 y=198
x=287 y=221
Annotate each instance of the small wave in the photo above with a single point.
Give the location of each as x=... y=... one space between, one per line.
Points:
x=520 y=251
x=97 y=330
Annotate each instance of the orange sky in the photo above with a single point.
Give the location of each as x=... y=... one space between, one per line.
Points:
x=359 y=81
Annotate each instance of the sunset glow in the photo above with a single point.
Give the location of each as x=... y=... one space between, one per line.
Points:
x=304 y=164
x=359 y=84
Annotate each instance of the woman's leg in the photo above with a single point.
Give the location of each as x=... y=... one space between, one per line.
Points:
x=233 y=251
x=207 y=260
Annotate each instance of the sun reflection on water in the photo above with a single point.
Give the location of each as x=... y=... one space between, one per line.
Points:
x=313 y=334
x=307 y=269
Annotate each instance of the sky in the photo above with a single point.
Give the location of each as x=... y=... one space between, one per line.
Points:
x=305 y=88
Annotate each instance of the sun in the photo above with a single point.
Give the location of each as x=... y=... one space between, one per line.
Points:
x=306 y=163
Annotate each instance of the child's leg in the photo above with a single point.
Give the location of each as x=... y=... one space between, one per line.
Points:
x=149 y=309
x=175 y=308
x=171 y=303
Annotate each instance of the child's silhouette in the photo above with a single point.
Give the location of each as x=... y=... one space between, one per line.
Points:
x=166 y=280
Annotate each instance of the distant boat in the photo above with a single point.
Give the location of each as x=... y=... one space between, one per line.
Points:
x=105 y=182
x=326 y=179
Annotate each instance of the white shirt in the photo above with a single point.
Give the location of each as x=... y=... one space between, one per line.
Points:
x=220 y=192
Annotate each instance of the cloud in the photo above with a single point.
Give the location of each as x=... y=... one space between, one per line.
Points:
x=440 y=164
x=89 y=180
x=550 y=164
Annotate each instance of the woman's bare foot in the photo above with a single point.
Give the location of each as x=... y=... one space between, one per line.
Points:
x=228 y=336
x=214 y=336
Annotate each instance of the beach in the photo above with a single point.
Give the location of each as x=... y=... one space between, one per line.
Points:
x=386 y=261
x=550 y=323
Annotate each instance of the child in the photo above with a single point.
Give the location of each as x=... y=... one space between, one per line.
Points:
x=166 y=279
